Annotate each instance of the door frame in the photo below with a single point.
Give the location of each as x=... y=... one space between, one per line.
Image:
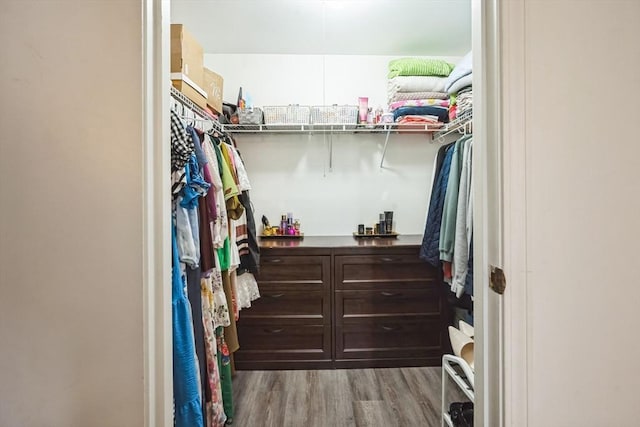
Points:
x=487 y=180
x=156 y=286
x=516 y=306
x=500 y=167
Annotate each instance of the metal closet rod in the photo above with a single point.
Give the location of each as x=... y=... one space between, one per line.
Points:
x=186 y=102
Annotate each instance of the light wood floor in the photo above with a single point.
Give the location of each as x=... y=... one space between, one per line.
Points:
x=402 y=397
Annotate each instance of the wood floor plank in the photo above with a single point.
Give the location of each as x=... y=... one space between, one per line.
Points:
x=406 y=409
x=341 y=408
x=296 y=398
x=373 y=413
x=403 y=397
x=364 y=384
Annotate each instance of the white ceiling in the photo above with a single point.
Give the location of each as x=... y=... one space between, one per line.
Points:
x=352 y=27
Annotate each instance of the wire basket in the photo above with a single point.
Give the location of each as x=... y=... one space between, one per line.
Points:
x=328 y=115
x=250 y=116
x=286 y=115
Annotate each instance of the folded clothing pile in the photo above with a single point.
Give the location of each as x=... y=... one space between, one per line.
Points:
x=465 y=101
x=459 y=88
x=416 y=90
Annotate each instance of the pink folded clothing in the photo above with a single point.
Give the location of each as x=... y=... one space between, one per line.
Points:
x=453 y=112
x=418 y=103
x=404 y=96
x=432 y=121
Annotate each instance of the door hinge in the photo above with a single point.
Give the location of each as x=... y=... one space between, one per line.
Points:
x=497 y=281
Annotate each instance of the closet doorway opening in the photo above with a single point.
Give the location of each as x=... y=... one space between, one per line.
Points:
x=323 y=49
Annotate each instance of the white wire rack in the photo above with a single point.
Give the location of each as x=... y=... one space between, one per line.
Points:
x=193 y=113
x=462 y=124
x=459 y=371
x=331 y=128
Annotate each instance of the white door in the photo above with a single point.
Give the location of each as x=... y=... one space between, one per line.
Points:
x=571 y=211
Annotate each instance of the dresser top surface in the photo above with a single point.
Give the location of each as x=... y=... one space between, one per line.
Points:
x=342 y=242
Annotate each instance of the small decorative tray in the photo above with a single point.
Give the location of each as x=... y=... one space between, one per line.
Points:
x=283 y=236
x=393 y=235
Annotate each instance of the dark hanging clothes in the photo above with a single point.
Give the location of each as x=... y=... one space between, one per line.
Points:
x=250 y=260
x=438 y=166
x=207 y=260
x=194 y=293
x=468 y=284
x=181 y=144
x=430 y=249
x=197 y=136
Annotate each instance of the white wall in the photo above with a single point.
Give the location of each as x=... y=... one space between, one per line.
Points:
x=290 y=173
x=583 y=207
x=71 y=321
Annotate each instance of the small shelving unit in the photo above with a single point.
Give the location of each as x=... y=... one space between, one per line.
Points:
x=460 y=373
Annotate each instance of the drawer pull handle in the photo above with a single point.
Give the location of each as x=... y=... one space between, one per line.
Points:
x=390 y=294
x=273 y=295
x=274 y=331
x=391 y=328
x=387 y=259
x=273 y=261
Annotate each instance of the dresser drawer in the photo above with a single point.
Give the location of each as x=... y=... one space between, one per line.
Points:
x=389 y=339
x=402 y=271
x=283 y=342
x=297 y=306
x=299 y=269
x=362 y=306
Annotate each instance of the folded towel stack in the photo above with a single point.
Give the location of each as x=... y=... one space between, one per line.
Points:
x=459 y=87
x=416 y=90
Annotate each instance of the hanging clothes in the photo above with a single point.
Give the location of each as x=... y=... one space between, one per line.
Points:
x=247 y=289
x=230 y=332
x=214 y=401
x=186 y=392
x=224 y=363
x=181 y=149
x=463 y=227
x=247 y=237
x=219 y=230
x=214 y=238
x=194 y=294
x=450 y=208
x=430 y=248
x=231 y=191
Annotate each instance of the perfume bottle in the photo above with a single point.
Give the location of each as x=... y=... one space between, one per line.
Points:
x=381 y=225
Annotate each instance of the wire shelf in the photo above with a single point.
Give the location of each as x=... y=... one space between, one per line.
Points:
x=333 y=128
x=461 y=124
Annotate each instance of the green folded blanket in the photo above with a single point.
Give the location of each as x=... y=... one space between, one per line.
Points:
x=419 y=67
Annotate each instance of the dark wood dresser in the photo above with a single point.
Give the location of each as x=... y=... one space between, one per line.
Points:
x=338 y=302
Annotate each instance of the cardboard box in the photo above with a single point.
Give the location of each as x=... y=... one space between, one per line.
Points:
x=185 y=85
x=186 y=55
x=213 y=86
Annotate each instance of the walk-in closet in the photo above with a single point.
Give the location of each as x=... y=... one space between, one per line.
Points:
x=322 y=213
x=111 y=162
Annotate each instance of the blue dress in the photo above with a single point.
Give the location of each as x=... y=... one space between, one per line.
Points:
x=186 y=392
